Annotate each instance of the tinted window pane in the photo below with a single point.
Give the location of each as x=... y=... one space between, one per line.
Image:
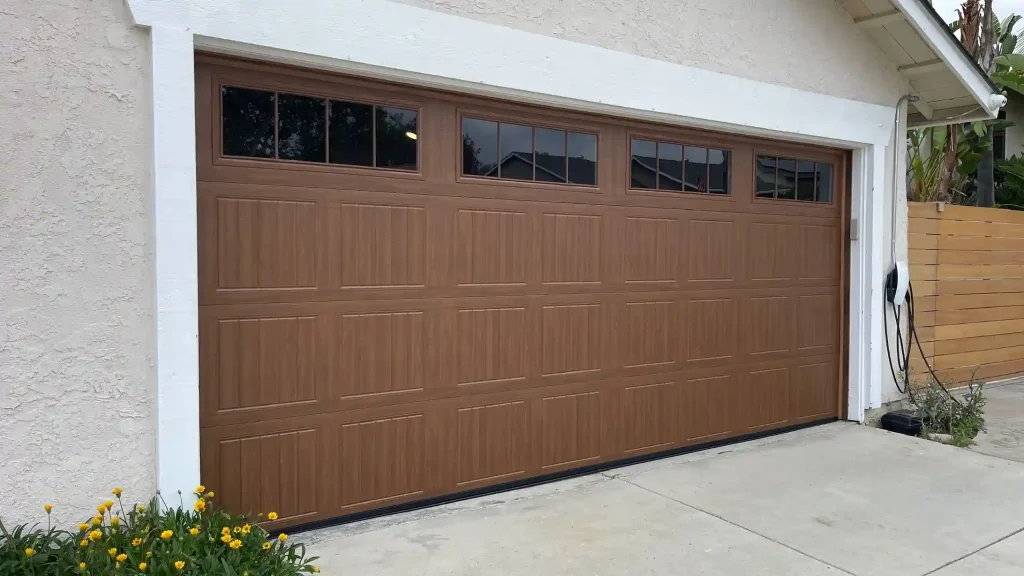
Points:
x=670 y=166
x=300 y=130
x=786 y=175
x=805 y=180
x=644 y=159
x=351 y=134
x=479 y=147
x=396 y=138
x=248 y=122
x=695 y=171
x=718 y=179
x=765 y=177
x=582 y=152
x=516 y=150
x=823 y=187
x=550 y=146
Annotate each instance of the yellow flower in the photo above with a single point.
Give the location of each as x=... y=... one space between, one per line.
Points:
x=83 y=543
x=136 y=541
x=266 y=545
x=225 y=538
x=122 y=557
x=83 y=527
x=108 y=504
x=235 y=544
x=246 y=529
x=149 y=554
x=272 y=516
x=101 y=509
x=116 y=492
x=114 y=520
x=48 y=507
x=140 y=508
x=193 y=531
x=29 y=552
x=209 y=494
x=225 y=530
x=95 y=535
x=200 y=505
x=282 y=537
x=97 y=521
x=81 y=566
x=166 y=534
x=316 y=570
x=237 y=529
x=112 y=552
x=200 y=489
x=179 y=565
x=142 y=566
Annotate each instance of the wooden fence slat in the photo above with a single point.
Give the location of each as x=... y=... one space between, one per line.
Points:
x=978 y=329
x=922 y=242
x=975 y=214
x=979 y=243
x=977 y=272
x=978 y=357
x=979 y=343
x=996 y=230
x=950 y=287
x=966 y=257
x=975 y=301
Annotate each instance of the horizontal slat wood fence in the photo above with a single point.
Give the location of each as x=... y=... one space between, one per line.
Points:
x=967 y=271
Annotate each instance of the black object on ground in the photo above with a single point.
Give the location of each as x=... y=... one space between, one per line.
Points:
x=902 y=421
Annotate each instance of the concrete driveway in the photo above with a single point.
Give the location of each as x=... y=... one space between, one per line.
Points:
x=836 y=499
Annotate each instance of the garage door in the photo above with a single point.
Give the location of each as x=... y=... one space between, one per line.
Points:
x=408 y=294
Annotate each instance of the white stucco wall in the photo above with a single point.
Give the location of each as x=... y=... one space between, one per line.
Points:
x=77 y=385
x=805 y=44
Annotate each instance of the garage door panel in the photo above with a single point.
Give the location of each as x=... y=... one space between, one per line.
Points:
x=650 y=250
x=572 y=249
x=814 y=391
x=648 y=334
x=819 y=252
x=491 y=247
x=772 y=251
x=570 y=430
x=381 y=460
x=492 y=443
x=650 y=416
x=711 y=249
x=572 y=337
x=768 y=326
x=377 y=246
x=711 y=330
x=817 y=323
x=490 y=345
x=380 y=354
x=710 y=405
x=766 y=398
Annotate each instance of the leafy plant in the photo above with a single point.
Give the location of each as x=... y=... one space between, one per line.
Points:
x=153 y=540
x=926 y=149
x=1010 y=193
x=942 y=413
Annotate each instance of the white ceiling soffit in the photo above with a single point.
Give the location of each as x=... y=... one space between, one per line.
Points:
x=949 y=84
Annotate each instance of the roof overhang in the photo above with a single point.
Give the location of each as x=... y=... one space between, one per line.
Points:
x=949 y=84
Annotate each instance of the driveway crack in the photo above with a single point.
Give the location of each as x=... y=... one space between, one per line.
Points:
x=740 y=526
x=969 y=554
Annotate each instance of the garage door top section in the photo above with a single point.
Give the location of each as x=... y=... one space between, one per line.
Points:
x=406 y=293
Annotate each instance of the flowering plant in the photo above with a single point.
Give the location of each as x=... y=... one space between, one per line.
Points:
x=154 y=540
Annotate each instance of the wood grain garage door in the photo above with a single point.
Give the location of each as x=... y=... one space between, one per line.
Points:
x=406 y=294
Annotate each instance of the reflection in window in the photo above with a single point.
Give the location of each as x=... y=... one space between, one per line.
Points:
x=679 y=167
x=766 y=177
x=670 y=166
x=550 y=148
x=695 y=171
x=805 y=180
x=521 y=152
x=515 y=149
x=785 y=179
x=479 y=147
x=317 y=130
x=791 y=179
x=351 y=140
x=718 y=171
x=582 y=158
x=247 y=122
x=300 y=128
x=643 y=162
x=396 y=138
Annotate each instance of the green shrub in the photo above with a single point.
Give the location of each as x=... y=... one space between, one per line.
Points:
x=942 y=413
x=154 y=540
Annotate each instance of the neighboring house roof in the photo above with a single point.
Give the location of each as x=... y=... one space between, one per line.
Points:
x=942 y=74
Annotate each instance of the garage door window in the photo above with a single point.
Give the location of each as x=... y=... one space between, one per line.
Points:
x=509 y=151
x=783 y=178
x=317 y=130
x=678 y=168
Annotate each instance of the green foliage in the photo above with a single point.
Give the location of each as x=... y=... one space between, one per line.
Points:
x=962 y=419
x=926 y=150
x=1010 y=194
x=152 y=540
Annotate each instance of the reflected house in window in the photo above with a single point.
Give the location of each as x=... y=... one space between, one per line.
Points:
x=791 y=179
x=492 y=149
x=519 y=166
x=675 y=168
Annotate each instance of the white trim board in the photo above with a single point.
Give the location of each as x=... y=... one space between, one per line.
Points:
x=428 y=48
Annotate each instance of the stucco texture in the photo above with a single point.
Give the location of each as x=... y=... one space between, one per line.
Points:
x=77 y=382
x=806 y=44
